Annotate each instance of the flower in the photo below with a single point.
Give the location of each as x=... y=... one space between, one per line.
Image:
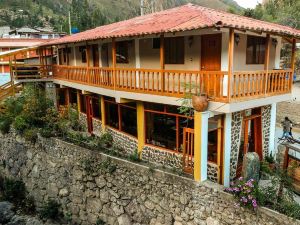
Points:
x=254 y=203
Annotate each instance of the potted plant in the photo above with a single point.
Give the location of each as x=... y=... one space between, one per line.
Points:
x=193 y=99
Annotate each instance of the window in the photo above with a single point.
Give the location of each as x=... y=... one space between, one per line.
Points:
x=73 y=96
x=156 y=43
x=82 y=103
x=82 y=50
x=164 y=126
x=62 y=100
x=96 y=107
x=214 y=138
x=121 y=116
x=122 y=52
x=255 y=53
x=174 y=50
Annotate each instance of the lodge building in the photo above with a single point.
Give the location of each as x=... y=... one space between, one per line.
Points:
x=128 y=78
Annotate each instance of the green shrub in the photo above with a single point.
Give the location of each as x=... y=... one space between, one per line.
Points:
x=5 y=124
x=31 y=135
x=46 y=132
x=107 y=140
x=21 y=124
x=28 y=205
x=13 y=191
x=134 y=156
x=100 y=222
x=50 y=210
x=107 y=166
x=270 y=158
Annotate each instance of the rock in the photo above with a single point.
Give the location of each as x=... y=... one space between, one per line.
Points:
x=63 y=192
x=6 y=212
x=118 y=210
x=212 y=221
x=101 y=182
x=251 y=166
x=124 y=220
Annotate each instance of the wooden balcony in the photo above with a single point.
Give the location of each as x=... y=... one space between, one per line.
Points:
x=31 y=72
x=219 y=87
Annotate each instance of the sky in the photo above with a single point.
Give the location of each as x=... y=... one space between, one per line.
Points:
x=248 y=3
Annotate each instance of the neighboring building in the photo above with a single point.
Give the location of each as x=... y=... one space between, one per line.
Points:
x=127 y=78
x=22 y=38
x=10 y=44
x=26 y=32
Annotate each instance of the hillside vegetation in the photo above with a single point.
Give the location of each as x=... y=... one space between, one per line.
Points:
x=86 y=14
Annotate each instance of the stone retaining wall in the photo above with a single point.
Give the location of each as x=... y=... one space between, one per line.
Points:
x=90 y=185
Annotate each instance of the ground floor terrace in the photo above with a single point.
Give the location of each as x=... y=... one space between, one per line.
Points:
x=206 y=145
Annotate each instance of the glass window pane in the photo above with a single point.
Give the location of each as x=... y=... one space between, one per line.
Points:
x=96 y=107
x=129 y=121
x=161 y=130
x=213 y=146
x=111 y=115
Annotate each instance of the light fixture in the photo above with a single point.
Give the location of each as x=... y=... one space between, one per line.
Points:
x=237 y=39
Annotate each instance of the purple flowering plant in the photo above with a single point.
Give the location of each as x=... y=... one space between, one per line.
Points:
x=245 y=192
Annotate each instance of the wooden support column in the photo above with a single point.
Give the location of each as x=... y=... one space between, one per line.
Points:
x=230 y=61
x=267 y=61
x=87 y=52
x=140 y=126
x=102 y=105
x=67 y=93
x=200 y=145
x=114 y=60
x=78 y=101
x=293 y=58
x=162 y=61
x=220 y=153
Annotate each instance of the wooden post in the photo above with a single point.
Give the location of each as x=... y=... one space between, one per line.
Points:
x=220 y=151
x=87 y=52
x=267 y=61
x=78 y=102
x=162 y=61
x=140 y=127
x=102 y=105
x=293 y=57
x=46 y=64
x=230 y=61
x=114 y=60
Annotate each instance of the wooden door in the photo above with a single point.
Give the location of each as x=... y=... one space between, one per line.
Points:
x=89 y=113
x=95 y=53
x=188 y=150
x=211 y=52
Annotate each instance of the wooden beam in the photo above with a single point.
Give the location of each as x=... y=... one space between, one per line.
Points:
x=293 y=55
x=267 y=52
x=114 y=60
x=162 y=61
x=87 y=52
x=230 y=61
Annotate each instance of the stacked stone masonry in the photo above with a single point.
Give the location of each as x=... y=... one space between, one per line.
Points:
x=130 y=194
x=236 y=129
x=266 y=123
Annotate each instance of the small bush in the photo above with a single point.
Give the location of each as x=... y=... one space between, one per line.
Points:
x=46 y=132
x=13 y=191
x=107 y=140
x=50 y=210
x=245 y=192
x=135 y=156
x=100 y=222
x=31 y=135
x=28 y=205
x=5 y=124
x=20 y=124
x=108 y=166
x=270 y=158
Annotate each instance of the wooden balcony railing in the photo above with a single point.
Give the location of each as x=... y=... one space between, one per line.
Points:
x=177 y=83
x=21 y=72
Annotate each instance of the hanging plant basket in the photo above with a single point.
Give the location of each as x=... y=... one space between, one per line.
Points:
x=200 y=103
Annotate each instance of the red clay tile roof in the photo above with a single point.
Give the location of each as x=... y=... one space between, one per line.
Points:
x=183 y=18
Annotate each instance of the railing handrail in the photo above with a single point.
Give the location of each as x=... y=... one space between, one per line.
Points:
x=241 y=84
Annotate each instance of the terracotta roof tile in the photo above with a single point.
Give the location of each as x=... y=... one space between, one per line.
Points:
x=187 y=17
